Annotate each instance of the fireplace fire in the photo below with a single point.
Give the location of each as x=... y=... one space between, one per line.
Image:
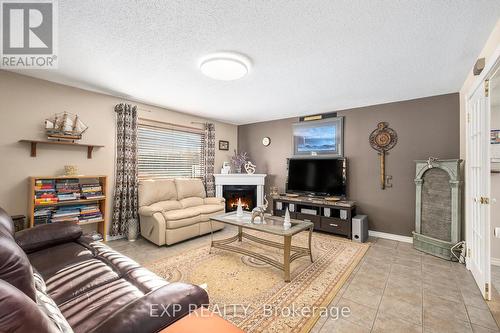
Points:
x=246 y=193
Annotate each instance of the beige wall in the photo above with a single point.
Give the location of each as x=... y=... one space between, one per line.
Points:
x=426 y=127
x=26 y=102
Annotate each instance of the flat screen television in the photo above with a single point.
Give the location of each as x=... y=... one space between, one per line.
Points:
x=318 y=177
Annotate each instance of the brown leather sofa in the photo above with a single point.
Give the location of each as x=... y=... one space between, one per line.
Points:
x=54 y=279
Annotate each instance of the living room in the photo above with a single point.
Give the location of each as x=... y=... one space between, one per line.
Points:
x=224 y=166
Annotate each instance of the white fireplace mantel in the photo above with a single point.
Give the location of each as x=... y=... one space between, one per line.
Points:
x=256 y=179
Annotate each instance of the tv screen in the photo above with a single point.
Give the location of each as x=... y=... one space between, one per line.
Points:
x=321 y=177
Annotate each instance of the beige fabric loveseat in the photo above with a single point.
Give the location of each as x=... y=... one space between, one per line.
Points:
x=171 y=211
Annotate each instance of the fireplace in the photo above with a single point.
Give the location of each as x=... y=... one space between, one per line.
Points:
x=246 y=193
x=248 y=187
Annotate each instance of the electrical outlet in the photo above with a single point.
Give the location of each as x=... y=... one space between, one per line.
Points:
x=497 y=232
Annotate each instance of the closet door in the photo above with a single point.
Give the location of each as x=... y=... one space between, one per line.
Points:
x=478 y=187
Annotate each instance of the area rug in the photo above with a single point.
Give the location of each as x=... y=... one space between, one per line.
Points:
x=253 y=295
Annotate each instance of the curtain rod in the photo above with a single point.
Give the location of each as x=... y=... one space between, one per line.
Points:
x=193 y=122
x=172 y=124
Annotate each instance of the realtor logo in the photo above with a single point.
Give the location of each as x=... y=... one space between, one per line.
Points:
x=28 y=34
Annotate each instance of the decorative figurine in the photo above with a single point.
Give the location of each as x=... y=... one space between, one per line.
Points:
x=259 y=211
x=250 y=168
x=239 y=209
x=286 y=223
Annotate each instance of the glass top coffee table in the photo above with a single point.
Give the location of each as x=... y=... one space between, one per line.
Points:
x=271 y=225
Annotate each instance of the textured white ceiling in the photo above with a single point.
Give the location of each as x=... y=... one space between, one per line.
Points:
x=309 y=56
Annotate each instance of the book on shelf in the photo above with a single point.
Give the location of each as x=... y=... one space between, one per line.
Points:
x=76 y=213
x=46 y=201
x=91 y=188
x=52 y=191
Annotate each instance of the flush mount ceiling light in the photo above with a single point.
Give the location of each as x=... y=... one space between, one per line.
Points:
x=226 y=66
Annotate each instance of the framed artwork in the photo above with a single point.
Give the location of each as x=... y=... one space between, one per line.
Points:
x=319 y=138
x=223 y=145
x=495 y=137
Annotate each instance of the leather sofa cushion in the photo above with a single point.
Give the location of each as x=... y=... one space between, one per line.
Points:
x=88 y=310
x=118 y=262
x=174 y=224
x=19 y=313
x=78 y=279
x=145 y=280
x=160 y=207
x=49 y=307
x=191 y=202
x=214 y=201
x=181 y=214
x=151 y=191
x=49 y=261
x=47 y=235
x=188 y=187
x=209 y=209
x=166 y=205
x=15 y=268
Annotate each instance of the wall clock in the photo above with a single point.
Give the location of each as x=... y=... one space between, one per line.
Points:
x=266 y=141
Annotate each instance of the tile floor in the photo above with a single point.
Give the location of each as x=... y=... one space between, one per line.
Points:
x=394 y=289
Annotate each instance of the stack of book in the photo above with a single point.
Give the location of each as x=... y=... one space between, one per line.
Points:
x=68 y=189
x=66 y=214
x=42 y=215
x=45 y=192
x=91 y=188
x=77 y=213
x=90 y=213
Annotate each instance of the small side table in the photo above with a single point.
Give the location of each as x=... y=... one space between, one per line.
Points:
x=19 y=222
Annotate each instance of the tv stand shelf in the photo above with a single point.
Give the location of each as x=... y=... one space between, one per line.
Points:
x=329 y=216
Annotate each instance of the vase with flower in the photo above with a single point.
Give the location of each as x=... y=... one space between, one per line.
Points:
x=237 y=161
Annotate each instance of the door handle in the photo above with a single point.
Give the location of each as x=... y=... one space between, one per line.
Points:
x=484 y=201
x=333 y=225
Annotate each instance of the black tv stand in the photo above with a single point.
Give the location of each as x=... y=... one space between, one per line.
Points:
x=329 y=216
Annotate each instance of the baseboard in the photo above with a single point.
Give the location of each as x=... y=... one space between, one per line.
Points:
x=399 y=238
x=112 y=238
x=495 y=261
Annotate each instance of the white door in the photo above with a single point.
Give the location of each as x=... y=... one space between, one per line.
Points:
x=478 y=187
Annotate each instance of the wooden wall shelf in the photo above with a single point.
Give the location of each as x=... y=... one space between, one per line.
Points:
x=90 y=148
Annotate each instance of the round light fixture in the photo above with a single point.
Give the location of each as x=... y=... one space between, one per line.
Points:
x=226 y=66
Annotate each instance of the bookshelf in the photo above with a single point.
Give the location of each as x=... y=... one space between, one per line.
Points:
x=34 y=206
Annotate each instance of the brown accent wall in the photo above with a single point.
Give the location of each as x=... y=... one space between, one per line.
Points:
x=426 y=127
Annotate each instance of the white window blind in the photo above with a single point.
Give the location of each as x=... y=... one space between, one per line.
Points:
x=168 y=152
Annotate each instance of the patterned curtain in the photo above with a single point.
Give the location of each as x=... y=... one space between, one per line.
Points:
x=125 y=222
x=208 y=158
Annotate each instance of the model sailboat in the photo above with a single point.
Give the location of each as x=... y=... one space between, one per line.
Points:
x=65 y=126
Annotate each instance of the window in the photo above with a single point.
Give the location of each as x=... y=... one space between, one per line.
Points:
x=168 y=152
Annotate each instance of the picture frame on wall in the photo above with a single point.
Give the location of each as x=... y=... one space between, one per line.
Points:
x=223 y=145
x=495 y=136
x=321 y=138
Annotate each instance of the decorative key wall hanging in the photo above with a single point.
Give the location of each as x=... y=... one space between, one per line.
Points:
x=383 y=139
